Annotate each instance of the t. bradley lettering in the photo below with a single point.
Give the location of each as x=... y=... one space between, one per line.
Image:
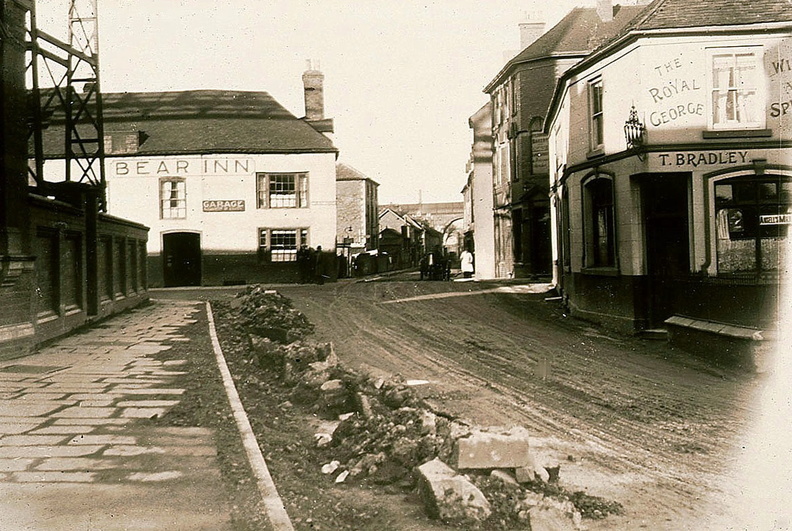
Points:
x=709 y=158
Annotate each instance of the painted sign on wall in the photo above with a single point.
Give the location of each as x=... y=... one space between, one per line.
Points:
x=779 y=69
x=223 y=205
x=183 y=167
x=539 y=152
x=675 y=93
x=703 y=158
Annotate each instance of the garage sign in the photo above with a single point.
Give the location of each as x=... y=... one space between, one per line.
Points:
x=224 y=205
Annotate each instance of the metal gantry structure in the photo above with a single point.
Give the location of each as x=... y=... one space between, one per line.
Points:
x=64 y=89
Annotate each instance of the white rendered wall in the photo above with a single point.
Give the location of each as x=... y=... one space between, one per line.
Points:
x=133 y=185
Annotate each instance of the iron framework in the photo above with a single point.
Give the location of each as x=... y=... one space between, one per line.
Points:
x=64 y=92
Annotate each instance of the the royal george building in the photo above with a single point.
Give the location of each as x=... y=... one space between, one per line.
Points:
x=671 y=173
x=230 y=183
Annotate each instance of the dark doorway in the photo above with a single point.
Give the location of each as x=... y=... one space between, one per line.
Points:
x=181 y=259
x=531 y=231
x=665 y=204
x=540 y=240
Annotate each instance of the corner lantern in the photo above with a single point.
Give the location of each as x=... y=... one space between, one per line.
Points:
x=634 y=131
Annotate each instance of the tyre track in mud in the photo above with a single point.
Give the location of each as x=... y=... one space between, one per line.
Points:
x=501 y=365
x=626 y=408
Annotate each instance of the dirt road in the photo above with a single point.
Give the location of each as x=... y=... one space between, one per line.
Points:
x=627 y=419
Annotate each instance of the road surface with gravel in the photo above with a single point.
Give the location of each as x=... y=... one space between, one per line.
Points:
x=627 y=419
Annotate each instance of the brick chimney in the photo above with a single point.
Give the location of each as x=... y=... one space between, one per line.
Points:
x=605 y=10
x=529 y=32
x=313 y=85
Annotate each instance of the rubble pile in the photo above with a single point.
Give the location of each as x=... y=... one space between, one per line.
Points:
x=268 y=314
x=378 y=431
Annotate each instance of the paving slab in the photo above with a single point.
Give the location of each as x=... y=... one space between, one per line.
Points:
x=75 y=452
x=15 y=428
x=70 y=507
x=77 y=412
x=31 y=440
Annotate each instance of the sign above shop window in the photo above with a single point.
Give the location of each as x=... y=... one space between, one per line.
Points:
x=776 y=219
x=224 y=205
x=704 y=158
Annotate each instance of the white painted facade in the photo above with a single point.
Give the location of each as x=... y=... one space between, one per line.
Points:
x=671 y=79
x=221 y=197
x=667 y=82
x=478 y=193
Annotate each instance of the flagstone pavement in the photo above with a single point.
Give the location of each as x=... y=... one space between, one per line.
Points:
x=74 y=453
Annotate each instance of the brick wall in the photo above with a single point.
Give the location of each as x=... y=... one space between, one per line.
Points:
x=57 y=294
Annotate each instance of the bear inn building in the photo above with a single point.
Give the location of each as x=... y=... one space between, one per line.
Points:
x=230 y=183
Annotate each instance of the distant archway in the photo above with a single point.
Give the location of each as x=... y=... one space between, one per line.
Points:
x=453 y=236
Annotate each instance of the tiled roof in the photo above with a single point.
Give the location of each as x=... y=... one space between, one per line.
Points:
x=205 y=121
x=579 y=32
x=345 y=172
x=684 y=14
x=666 y=14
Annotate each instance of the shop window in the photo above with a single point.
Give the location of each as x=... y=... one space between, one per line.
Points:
x=599 y=223
x=735 y=99
x=752 y=219
x=282 y=190
x=173 y=198
x=596 y=125
x=280 y=245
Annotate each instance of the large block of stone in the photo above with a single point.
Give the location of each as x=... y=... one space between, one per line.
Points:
x=493 y=448
x=449 y=496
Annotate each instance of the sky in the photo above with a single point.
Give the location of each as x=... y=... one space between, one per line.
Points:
x=401 y=77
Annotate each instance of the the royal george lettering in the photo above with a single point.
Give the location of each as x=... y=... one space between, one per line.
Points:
x=671 y=90
x=674 y=113
x=706 y=158
x=224 y=205
x=182 y=167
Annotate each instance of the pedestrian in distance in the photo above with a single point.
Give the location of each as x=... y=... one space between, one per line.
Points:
x=466 y=259
x=319 y=269
x=304 y=259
